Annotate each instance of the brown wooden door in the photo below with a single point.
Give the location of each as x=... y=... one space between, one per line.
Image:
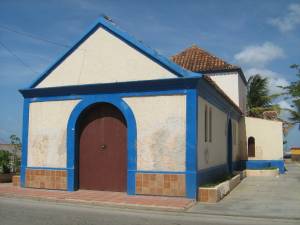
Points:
x=103 y=149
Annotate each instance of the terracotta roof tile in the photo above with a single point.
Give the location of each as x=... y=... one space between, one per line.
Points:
x=198 y=60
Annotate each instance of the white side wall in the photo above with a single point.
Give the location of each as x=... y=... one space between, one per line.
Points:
x=268 y=138
x=103 y=58
x=229 y=83
x=233 y=86
x=214 y=153
x=161 y=132
x=47 y=133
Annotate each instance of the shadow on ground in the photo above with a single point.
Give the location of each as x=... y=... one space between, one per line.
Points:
x=274 y=197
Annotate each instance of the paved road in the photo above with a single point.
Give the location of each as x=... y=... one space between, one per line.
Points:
x=274 y=197
x=23 y=212
x=256 y=201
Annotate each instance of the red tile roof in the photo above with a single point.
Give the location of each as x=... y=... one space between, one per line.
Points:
x=198 y=60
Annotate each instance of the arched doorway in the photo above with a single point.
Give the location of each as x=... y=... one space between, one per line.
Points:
x=251 y=147
x=102 y=148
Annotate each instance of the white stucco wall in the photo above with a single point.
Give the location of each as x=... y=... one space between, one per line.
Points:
x=103 y=58
x=233 y=86
x=214 y=153
x=161 y=132
x=229 y=83
x=47 y=133
x=268 y=138
x=161 y=127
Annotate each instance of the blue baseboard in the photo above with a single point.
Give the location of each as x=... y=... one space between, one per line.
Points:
x=211 y=174
x=261 y=164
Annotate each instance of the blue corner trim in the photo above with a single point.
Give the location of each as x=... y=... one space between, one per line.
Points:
x=191 y=143
x=130 y=40
x=261 y=164
x=71 y=139
x=24 y=141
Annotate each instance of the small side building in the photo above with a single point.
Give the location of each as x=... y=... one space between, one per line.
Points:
x=262 y=143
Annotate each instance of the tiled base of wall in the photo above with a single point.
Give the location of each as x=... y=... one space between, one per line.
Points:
x=160 y=184
x=48 y=179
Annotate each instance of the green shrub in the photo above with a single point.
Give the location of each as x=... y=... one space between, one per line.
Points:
x=4 y=161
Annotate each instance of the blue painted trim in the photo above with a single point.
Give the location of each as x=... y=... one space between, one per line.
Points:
x=220 y=72
x=141 y=94
x=45 y=168
x=71 y=139
x=112 y=88
x=130 y=40
x=212 y=173
x=211 y=95
x=229 y=145
x=24 y=141
x=237 y=165
x=261 y=164
x=161 y=172
x=191 y=143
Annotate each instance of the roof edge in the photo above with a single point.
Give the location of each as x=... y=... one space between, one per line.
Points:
x=124 y=36
x=238 y=69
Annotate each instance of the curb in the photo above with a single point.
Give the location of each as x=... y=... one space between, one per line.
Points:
x=107 y=204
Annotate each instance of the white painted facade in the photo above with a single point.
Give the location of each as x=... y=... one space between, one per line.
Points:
x=161 y=128
x=233 y=86
x=104 y=58
x=161 y=132
x=47 y=132
x=268 y=138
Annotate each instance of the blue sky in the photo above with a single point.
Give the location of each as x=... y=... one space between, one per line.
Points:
x=261 y=36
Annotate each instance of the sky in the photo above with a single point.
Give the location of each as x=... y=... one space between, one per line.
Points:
x=261 y=36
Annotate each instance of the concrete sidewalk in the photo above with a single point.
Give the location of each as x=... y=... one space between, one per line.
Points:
x=102 y=198
x=273 y=197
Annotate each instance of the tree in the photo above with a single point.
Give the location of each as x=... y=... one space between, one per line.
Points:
x=293 y=90
x=258 y=97
x=4 y=161
x=16 y=143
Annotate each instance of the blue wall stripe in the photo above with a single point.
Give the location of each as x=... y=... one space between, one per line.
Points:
x=111 y=88
x=212 y=173
x=24 y=141
x=262 y=164
x=160 y=172
x=45 y=168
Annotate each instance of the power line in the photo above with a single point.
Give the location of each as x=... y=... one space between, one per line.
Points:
x=17 y=57
x=33 y=36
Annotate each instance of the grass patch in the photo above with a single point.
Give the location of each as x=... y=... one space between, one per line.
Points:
x=266 y=168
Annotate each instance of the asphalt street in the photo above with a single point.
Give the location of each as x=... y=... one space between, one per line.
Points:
x=24 y=211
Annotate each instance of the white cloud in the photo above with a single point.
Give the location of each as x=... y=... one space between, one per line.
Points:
x=259 y=55
x=275 y=79
x=289 y=21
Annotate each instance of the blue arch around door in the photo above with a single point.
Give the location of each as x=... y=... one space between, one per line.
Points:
x=71 y=139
